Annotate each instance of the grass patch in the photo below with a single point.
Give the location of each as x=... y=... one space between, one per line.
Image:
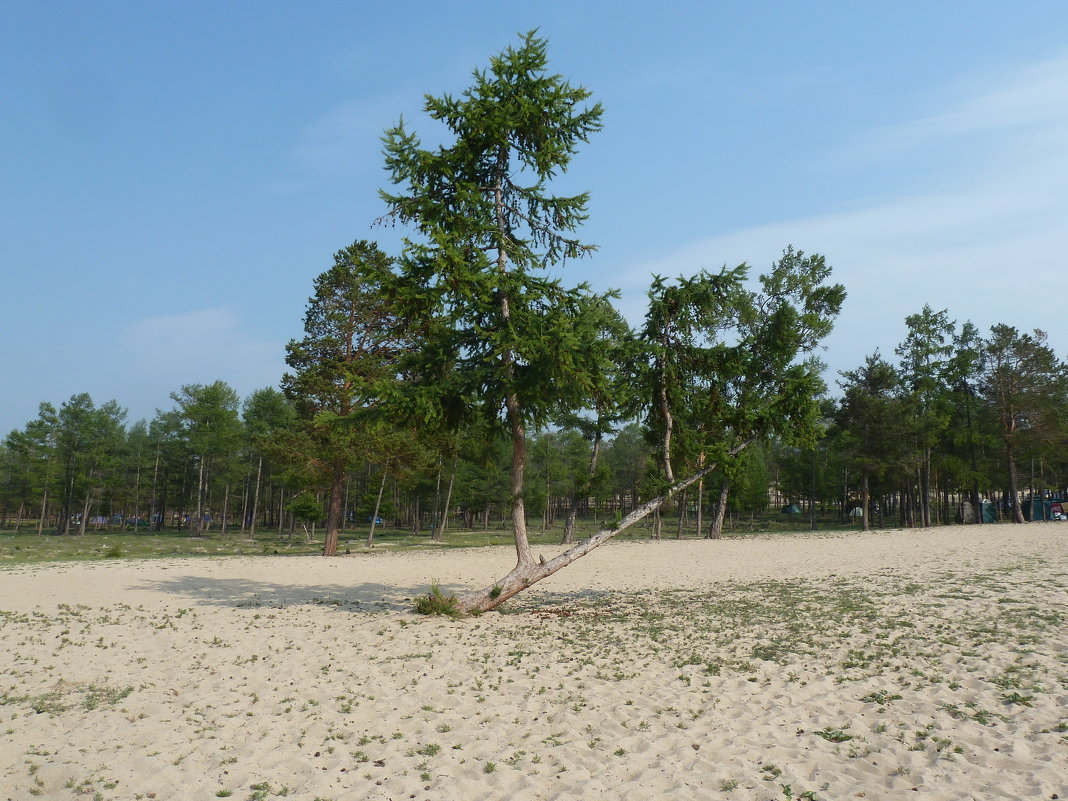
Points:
x=437 y=603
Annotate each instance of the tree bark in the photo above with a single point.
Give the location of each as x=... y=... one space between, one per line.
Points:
x=715 y=531
x=333 y=512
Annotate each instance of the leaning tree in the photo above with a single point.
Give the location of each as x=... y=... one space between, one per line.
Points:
x=505 y=343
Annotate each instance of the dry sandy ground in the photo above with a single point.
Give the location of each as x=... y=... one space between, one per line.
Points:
x=896 y=665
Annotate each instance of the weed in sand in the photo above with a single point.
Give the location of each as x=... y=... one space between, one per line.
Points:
x=437 y=603
x=833 y=735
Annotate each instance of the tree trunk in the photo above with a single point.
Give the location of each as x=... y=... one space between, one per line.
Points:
x=245 y=487
x=226 y=505
x=514 y=411
x=378 y=504
x=437 y=504
x=199 y=527
x=715 y=531
x=925 y=489
x=255 y=499
x=1014 y=494
x=682 y=515
x=85 y=511
x=700 y=494
x=333 y=510
x=44 y=513
x=865 y=501
x=282 y=511
x=812 y=495
x=525 y=574
x=439 y=532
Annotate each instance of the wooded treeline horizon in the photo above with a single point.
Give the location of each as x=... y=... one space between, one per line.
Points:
x=924 y=433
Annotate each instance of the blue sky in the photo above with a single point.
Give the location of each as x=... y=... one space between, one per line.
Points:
x=175 y=175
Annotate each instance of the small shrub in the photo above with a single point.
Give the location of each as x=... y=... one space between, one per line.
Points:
x=437 y=603
x=834 y=735
x=1016 y=698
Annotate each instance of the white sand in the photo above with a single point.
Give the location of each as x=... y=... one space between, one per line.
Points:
x=703 y=670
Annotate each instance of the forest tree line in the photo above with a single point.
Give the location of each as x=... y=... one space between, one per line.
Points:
x=956 y=417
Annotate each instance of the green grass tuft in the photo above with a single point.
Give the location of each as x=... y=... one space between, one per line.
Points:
x=437 y=603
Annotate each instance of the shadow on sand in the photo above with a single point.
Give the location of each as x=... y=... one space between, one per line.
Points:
x=238 y=592
x=366 y=597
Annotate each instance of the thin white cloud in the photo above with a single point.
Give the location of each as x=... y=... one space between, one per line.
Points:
x=988 y=244
x=348 y=137
x=160 y=354
x=1030 y=105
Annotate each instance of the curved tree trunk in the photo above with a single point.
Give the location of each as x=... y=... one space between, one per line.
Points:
x=527 y=573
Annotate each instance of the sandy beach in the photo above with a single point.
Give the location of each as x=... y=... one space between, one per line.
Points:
x=899 y=664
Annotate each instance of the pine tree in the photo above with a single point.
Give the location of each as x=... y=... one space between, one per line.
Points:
x=506 y=343
x=352 y=341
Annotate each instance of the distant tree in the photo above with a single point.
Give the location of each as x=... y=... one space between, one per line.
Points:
x=871 y=413
x=305 y=509
x=612 y=399
x=212 y=428
x=138 y=452
x=30 y=463
x=967 y=435
x=268 y=416
x=627 y=458
x=87 y=439
x=1024 y=380
x=924 y=360
x=352 y=341
x=683 y=323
